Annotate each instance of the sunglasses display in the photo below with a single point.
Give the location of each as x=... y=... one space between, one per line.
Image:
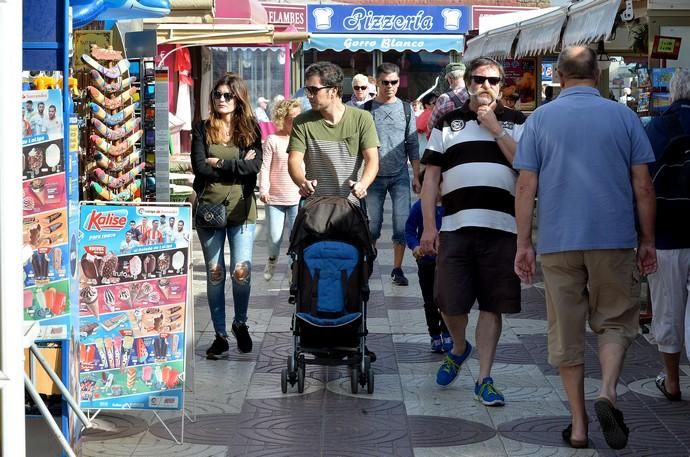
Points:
x=224 y=95
x=390 y=83
x=313 y=90
x=493 y=80
x=360 y=87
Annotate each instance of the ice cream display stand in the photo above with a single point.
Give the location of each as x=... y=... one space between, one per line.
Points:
x=50 y=213
x=134 y=305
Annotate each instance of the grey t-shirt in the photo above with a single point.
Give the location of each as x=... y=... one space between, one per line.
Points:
x=394 y=153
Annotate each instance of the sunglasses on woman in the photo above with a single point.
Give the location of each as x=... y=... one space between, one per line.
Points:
x=225 y=95
x=493 y=80
x=360 y=87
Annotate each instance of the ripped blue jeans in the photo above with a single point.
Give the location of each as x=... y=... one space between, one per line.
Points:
x=241 y=241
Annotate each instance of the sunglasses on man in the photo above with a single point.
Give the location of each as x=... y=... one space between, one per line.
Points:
x=224 y=95
x=390 y=83
x=313 y=90
x=493 y=80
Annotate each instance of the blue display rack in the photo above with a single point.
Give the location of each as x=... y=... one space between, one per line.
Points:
x=46 y=43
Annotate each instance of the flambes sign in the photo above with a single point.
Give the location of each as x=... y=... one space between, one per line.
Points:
x=134 y=265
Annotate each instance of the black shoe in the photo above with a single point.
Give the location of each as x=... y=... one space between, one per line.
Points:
x=244 y=341
x=398 y=277
x=612 y=423
x=218 y=349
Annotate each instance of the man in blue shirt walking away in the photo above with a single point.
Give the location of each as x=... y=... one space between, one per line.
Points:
x=587 y=156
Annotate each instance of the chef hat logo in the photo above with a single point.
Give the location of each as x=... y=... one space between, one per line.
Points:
x=323 y=18
x=451 y=18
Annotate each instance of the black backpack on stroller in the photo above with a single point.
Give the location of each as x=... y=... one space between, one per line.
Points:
x=332 y=257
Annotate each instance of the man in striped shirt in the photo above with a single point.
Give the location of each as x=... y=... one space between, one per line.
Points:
x=338 y=144
x=472 y=149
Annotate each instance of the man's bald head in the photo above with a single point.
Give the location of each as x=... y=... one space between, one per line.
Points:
x=578 y=62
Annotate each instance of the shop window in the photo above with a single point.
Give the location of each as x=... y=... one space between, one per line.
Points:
x=351 y=63
x=262 y=68
x=629 y=82
x=418 y=71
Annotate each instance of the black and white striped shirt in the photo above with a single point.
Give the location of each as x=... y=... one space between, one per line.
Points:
x=478 y=186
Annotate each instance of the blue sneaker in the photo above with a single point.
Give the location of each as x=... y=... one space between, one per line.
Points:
x=488 y=394
x=437 y=344
x=448 y=371
x=447 y=341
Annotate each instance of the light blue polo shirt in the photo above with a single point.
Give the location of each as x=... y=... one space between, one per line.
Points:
x=583 y=146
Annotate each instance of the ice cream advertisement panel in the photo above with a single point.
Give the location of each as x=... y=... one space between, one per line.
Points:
x=133 y=264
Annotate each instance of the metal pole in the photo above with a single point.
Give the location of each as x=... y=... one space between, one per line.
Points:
x=12 y=432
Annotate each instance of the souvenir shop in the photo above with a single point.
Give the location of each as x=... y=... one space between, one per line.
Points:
x=106 y=222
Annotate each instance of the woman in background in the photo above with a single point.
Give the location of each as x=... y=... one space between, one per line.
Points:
x=276 y=188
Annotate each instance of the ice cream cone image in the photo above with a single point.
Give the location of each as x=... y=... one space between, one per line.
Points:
x=125 y=297
x=89 y=297
x=164 y=286
x=38 y=188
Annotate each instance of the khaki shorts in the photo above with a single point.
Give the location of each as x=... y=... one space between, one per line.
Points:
x=589 y=286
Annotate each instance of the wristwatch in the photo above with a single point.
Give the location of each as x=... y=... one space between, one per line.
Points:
x=503 y=133
x=220 y=163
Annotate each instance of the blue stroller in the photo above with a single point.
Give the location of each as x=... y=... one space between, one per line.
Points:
x=333 y=254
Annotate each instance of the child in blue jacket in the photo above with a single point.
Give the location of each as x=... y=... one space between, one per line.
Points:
x=441 y=340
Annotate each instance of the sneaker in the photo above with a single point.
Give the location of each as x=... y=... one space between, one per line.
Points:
x=447 y=342
x=244 y=341
x=398 y=277
x=488 y=394
x=218 y=349
x=450 y=367
x=437 y=344
x=268 y=270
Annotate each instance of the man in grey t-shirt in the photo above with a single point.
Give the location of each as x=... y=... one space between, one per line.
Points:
x=398 y=137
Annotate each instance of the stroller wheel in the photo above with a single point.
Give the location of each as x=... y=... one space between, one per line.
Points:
x=292 y=364
x=365 y=364
x=300 y=379
x=284 y=380
x=354 y=380
x=370 y=381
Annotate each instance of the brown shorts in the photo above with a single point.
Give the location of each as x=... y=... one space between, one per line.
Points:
x=588 y=286
x=476 y=264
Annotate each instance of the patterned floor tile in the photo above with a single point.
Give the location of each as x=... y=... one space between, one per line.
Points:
x=648 y=387
x=424 y=398
x=148 y=445
x=386 y=387
x=267 y=385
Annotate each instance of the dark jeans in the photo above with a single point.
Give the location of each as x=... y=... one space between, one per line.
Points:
x=426 y=269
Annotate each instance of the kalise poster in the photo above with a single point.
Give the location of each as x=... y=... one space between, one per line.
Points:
x=133 y=262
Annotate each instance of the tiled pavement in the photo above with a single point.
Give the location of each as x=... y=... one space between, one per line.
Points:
x=240 y=410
